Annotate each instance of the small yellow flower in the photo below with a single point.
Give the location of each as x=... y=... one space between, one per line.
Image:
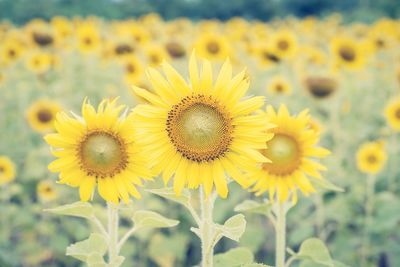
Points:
x=46 y=191
x=212 y=46
x=39 y=62
x=278 y=85
x=371 y=157
x=99 y=148
x=289 y=150
x=7 y=170
x=42 y=114
x=392 y=114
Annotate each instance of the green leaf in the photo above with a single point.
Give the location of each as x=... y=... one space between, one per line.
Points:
x=236 y=257
x=117 y=262
x=96 y=243
x=326 y=184
x=95 y=260
x=254 y=207
x=77 y=209
x=151 y=219
x=234 y=227
x=255 y=265
x=169 y=193
x=315 y=250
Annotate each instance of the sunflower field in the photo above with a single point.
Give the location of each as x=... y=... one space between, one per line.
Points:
x=239 y=143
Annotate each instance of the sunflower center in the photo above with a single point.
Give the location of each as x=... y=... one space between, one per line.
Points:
x=347 y=53
x=102 y=154
x=87 y=40
x=271 y=57
x=371 y=159
x=397 y=113
x=200 y=128
x=42 y=39
x=130 y=68
x=44 y=115
x=11 y=53
x=284 y=152
x=123 y=49
x=279 y=88
x=1 y=170
x=283 y=45
x=213 y=47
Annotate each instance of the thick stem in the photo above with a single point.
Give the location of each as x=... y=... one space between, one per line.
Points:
x=206 y=229
x=112 y=212
x=280 y=234
x=369 y=198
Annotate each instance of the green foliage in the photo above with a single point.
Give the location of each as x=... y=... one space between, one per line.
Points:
x=77 y=209
x=95 y=246
x=150 y=219
x=252 y=206
x=233 y=228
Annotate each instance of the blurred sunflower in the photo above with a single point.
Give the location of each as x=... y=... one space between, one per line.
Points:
x=212 y=46
x=98 y=149
x=197 y=132
x=89 y=39
x=289 y=150
x=320 y=86
x=42 y=114
x=41 y=38
x=371 y=157
x=266 y=56
x=133 y=69
x=392 y=114
x=39 y=62
x=175 y=49
x=156 y=54
x=284 y=43
x=46 y=191
x=10 y=51
x=279 y=86
x=348 y=53
x=62 y=26
x=7 y=170
x=122 y=49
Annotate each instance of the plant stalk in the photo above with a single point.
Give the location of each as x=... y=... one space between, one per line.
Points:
x=206 y=229
x=113 y=223
x=280 y=234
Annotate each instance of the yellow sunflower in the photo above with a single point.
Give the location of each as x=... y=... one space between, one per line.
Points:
x=279 y=86
x=392 y=114
x=320 y=86
x=98 y=149
x=46 y=191
x=266 y=55
x=212 y=46
x=289 y=150
x=42 y=114
x=7 y=170
x=371 y=157
x=285 y=44
x=199 y=131
x=156 y=55
x=39 y=62
x=10 y=51
x=349 y=53
x=133 y=69
x=89 y=39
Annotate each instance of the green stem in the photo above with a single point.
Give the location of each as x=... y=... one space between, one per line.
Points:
x=320 y=215
x=112 y=212
x=280 y=234
x=370 y=190
x=206 y=229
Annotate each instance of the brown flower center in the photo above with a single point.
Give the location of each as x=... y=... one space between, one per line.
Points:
x=200 y=128
x=213 y=47
x=320 y=87
x=175 y=49
x=284 y=152
x=372 y=159
x=102 y=154
x=283 y=45
x=123 y=49
x=45 y=115
x=42 y=39
x=347 y=53
x=397 y=113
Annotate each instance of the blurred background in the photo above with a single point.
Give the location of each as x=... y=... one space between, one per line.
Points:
x=339 y=59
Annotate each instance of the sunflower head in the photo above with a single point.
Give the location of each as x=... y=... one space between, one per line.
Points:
x=349 y=53
x=392 y=114
x=99 y=148
x=175 y=49
x=320 y=86
x=199 y=131
x=7 y=170
x=371 y=157
x=46 y=191
x=290 y=151
x=279 y=86
x=42 y=114
x=212 y=46
x=39 y=62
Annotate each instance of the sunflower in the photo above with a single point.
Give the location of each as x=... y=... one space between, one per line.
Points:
x=266 y=55
x=89 y=39
x=39 y=62
x=212 y=46
x=41 y=115
x=279 y=86
x=122 y=49
x=98 y=149
x=11 y=51
x=156 y=55
x=392 y=114
x=175 y=49
x=7 y=170
x=46 y=191
x=197 y=132
x=349 y=53
x=133 y=69
x=320 y=86
x=371 y=157
x=285 y=44
x=289 y=150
